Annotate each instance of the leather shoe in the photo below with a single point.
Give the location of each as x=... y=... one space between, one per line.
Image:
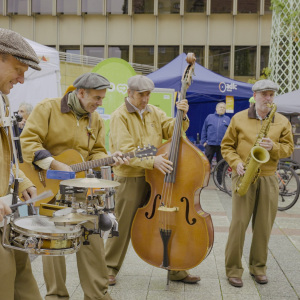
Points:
x=261 y=279
x=111 y=280
x=235 y=281
x=190 y=279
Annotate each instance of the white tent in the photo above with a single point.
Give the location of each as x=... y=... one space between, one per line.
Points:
x=38 y=85
x=288 y=103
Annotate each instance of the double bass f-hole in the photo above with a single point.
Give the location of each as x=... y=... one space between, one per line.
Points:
x=158 y=196
x=187 y=209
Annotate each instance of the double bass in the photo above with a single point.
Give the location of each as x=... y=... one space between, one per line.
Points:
x=172 y=231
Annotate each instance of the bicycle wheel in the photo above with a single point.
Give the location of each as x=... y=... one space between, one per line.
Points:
x=217 y=174
x=289 y=187
x=226 y=179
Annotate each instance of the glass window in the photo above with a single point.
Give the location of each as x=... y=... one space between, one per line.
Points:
x=245 y=61
x=198 y=51
x=267 y=5
x=117 y=6
x=18 y=7
x=264 y=57
x=219 y=60
x=93 y=51
x=72 y=53
x=119 y=52
x=92 y=6
x=168 y=6
x=43 y=7
x=142 y=7
x=166 y=54
x=248 y=7
x=221 y=6
x=143 y=55
x=68 y=7
x=192 y=6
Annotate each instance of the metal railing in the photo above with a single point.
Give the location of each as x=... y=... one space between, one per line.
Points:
x=93 y=61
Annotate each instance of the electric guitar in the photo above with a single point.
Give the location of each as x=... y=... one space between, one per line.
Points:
x=73 y=159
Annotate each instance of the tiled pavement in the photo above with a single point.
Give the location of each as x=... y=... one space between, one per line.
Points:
x=138 y=280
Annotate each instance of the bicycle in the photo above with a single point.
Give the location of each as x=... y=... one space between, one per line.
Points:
x=218 y=174
x=289 y=187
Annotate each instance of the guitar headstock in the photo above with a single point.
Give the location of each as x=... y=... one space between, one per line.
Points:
x=146 y=151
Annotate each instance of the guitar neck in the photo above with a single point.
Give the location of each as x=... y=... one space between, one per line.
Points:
x=106 y=161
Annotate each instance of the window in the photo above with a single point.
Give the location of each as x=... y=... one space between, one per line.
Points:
x=143 y=55
x=117 y=6
x=92 y=6
x=264 y=57
x=72 y=53
x=245 y=61
x=219 y=60
x=268 y=6
x=18 y=7
x=198 y=51
x=93 y=51
x=168 y=6
x=43 y=7
x=221 y=6
x=68 y=7
x=194 y=6
x=142 y=7
x=119 y=52
x=166 y=54
x=248 y=7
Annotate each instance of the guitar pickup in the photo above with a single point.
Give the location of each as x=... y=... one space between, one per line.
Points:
x=60 y=175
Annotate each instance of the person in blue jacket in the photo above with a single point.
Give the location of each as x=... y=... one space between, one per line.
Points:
x=213 y=130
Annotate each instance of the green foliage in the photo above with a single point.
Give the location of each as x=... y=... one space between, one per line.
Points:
x=265 y=73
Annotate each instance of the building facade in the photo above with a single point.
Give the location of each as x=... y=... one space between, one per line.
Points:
x=230 y=37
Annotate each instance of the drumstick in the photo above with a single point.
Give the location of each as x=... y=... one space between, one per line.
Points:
x=32 y=200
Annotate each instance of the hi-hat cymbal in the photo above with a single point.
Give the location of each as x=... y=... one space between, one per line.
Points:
x=90 y=183
x=73 y=218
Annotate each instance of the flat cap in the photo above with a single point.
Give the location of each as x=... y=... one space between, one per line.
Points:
x=265 y=85
x=140 y=83
x=13 y=43
x=92 y=81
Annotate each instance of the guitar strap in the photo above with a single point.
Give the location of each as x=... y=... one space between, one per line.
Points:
x=89 y=130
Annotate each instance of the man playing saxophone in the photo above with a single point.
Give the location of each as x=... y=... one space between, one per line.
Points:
x=261 y=199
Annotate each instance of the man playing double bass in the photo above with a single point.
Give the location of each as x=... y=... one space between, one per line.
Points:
x=133 y=124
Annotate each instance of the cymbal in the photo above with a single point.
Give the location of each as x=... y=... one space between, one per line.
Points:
x=90 y=183
x=73 y=218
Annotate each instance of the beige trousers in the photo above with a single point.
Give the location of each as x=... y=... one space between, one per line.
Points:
x=261 y=203
x=91 y=268
x=130 y=195
x=16 y=279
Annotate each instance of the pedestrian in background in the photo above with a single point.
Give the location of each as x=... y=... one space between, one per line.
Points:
x=213 y=131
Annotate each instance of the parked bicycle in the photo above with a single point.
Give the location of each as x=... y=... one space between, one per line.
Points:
x=288 y=180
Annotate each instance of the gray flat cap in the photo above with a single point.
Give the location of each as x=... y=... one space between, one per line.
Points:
x=140 y=83
x=13 y=43
x=92 y=81
x=265 y=85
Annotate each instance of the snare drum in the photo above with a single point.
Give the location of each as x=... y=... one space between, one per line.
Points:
x=37 y=235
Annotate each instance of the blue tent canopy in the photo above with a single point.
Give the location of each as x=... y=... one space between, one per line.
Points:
x=207 y=89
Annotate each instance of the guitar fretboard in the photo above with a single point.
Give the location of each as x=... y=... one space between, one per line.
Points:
x=106 y=161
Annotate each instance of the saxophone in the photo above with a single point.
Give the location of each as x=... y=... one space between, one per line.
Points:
x=257 y=156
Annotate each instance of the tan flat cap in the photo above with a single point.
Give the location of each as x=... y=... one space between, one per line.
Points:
x=265 y=85
x=13 y=43
x=92 y=81
x=140 y=83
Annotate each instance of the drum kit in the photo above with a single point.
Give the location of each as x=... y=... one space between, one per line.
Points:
x=62 y=230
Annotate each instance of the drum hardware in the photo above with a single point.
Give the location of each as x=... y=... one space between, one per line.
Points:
x=90 y=183
x=38 y=235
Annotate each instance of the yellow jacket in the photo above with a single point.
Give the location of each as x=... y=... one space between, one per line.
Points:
x=128 y=131
x=242 y=134
x=53 y=128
